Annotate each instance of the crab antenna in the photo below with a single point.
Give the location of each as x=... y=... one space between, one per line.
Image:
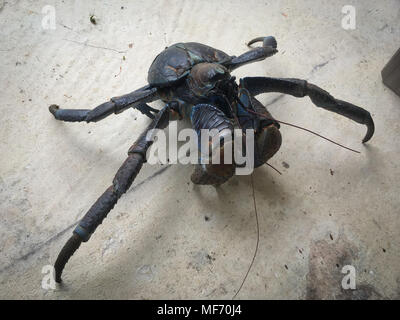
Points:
x=273 y=168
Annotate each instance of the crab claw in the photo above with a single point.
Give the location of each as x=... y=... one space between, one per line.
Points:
x=66 y=253
x=370 y=128
x=354 y=113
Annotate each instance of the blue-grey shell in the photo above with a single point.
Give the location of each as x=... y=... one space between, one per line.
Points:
x=175 y=62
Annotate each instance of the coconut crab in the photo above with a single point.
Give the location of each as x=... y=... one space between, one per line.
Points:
x=194 y=81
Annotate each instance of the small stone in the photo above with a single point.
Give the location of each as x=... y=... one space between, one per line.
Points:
x=285 y=164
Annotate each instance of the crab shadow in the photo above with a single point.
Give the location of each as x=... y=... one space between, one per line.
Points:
x=212 y=199
x=147 y=250
x=217 y=200
x=264 y=186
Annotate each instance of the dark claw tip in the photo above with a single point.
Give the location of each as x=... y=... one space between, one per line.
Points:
x=65 y=254
x=273 y=51
x=269 y=41
x=370 y=130
x=53 y=108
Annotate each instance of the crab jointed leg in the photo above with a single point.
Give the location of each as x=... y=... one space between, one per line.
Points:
x=121 y=183
x=116 y=105
x=321 y=98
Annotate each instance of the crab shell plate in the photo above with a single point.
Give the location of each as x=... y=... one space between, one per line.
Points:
x=176 y=61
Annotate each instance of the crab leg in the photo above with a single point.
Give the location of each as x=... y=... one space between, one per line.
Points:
x=121 y=183
x=115 y=105
x=321 y=98
x=147 y=110
x=256 y=54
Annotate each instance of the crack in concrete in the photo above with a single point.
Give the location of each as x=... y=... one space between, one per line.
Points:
x=93 y=46
x=37 y=248
x=155 y=174
x=320 y=66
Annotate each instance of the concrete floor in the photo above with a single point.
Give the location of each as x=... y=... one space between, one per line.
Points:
x=330 y=207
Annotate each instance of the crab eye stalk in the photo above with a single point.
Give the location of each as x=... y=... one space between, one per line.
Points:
x=216 y=73
x=204 y=76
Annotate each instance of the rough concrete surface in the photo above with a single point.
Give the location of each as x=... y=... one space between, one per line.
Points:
x=167 y=238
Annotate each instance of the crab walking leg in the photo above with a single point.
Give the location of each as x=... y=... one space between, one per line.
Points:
x=321 y=98
x=146 y=110
x=121 y=183
x=268 y=49
x=115 y=105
